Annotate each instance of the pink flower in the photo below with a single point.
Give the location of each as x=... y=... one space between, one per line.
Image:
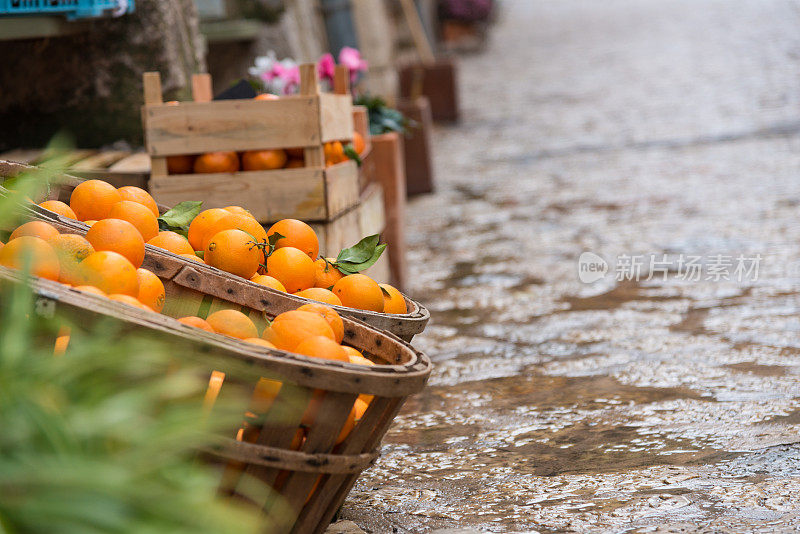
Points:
x=326 y=67
x=351 y=58
x=291 y=78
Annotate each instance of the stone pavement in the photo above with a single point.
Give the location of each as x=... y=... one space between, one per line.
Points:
x=662 y=130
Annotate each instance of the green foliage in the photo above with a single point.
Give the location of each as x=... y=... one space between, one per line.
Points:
x=350 y=152
x=360 y=256
x=180 y=217
x=104 y=437
x=382 y=119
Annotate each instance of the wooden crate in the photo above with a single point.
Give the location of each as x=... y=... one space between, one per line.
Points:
x=203 y=288
x=417 y=146
x=117 y=167
x=310 y=479
x=389 y=172
x=367 y=218
x=308 y=120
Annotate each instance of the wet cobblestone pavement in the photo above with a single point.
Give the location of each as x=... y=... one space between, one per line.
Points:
x=623 y=127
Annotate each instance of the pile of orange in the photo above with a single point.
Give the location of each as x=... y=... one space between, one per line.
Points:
x=107 y=261
x=230 y=239
x=312 y=330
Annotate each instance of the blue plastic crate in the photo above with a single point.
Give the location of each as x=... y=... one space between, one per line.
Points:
x=72 y=9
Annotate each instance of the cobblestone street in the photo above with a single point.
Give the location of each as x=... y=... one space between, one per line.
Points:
x=663 y=404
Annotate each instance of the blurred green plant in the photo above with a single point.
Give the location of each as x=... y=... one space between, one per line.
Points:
x=104 y=437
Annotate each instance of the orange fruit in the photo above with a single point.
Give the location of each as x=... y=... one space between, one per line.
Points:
x=62 y=341
x=214 y=385
x=89 y=223
x=330 y=315
x=110 y=272
x=265 y=392
x=200 y=225
x=296 y=234
x=235 y=252
x=92 y=199
x=292 y=267
x=38 y=229
x=118 y=236
x=290 y=328
x=296 y=152
x=151 y=290
x=129 y=300
x=180 y=164
x=352 y=352
x=236 y=221
x=359 y=145
x=56 y=206
x=321 y=347
x=32 y=252
x=334 y=153
x=266 y=280
x=196 y=322
x=263 y=160
x=358 y=359
x=265 y=96
x=173 y=242
x=217 y=162
x=325 y=274
x=359 y=291
x=359 y=408
x=140 y=196
x=348 y=426
x=192 y=257
x=295 y=163
x=238 y=210
x=394 y=302
x=71 y=249
x=232 y=323
x=91 y=289
x=138 y=215
x=319 y=294
x=261 y=342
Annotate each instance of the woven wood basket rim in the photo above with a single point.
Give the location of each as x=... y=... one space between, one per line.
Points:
x=293 y=460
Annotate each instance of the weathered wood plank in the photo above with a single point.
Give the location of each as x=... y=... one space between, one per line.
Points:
x=336 y=115
x=197 y=127
x=268 y=195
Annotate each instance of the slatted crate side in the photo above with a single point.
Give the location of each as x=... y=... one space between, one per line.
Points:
x=232 y=125
x=268 y=195
x=310 y=193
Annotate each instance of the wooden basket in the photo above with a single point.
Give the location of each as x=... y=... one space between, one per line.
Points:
x=308 y=120
x=314 y=479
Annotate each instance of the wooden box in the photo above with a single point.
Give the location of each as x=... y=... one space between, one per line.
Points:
x=308 y=120
x=438 y=81
x=417 y=145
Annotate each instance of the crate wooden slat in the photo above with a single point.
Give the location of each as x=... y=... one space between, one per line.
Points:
x=308 y=120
